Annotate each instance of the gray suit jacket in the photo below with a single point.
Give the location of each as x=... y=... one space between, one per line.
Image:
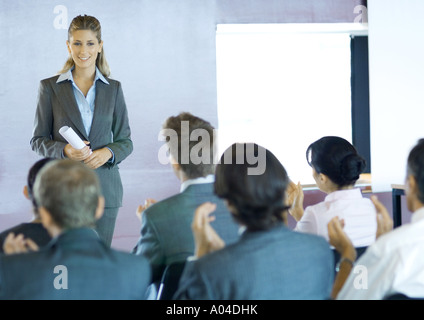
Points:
x=166 y=234
x=278 y=264
x=110 y=128
x=93 y=271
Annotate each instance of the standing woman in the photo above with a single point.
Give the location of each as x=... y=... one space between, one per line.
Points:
x=82 y=96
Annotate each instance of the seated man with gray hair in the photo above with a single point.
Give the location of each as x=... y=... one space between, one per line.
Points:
x=76 y=265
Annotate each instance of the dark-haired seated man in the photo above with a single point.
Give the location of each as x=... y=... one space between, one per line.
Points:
x=166 y=225
x=270 y=261
x=76 y=264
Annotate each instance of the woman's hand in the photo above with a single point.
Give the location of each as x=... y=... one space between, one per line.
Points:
x=77 y=154
x=295 y=198
x=98 y=158
x=205 y=237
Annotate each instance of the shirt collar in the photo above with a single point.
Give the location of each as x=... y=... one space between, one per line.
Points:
x=344 y=194
x=68 y=76
x=417 y=215
x=208 y=179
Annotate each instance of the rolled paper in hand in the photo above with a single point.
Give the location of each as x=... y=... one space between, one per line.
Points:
x=73 y=139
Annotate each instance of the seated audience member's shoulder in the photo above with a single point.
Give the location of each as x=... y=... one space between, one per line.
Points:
x=164 y=205
x=138 y=261
x=396 y=240
x=309 y=239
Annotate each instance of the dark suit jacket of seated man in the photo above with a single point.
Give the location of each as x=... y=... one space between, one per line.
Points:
x=76 y=264
x=166 y=235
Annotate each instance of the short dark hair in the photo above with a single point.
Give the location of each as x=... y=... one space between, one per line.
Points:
x=184 y=157
x=337 y=158
x=259 y=199
x=32 y=174
x=415 y=167
x=70 y=191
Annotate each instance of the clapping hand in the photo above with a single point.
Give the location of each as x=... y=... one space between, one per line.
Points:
x=295 y=198
x=205 y=237
x=384 y=221
x=339 y=239
x=141 y=208
x=18 y=244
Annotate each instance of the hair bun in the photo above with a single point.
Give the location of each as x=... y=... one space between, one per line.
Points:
x=351 y=167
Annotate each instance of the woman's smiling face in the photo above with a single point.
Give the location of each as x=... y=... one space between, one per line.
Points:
x=84 y=48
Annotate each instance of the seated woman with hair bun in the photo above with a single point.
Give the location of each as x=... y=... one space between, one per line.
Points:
x=336 y=166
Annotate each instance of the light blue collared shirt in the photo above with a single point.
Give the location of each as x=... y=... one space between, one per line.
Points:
x=85 y=103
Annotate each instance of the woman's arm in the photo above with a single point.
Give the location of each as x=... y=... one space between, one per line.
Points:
x=295 y=198
x=122 y=145
x=41 y=141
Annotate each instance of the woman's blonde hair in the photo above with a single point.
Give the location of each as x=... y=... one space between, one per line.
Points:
x=84 y=22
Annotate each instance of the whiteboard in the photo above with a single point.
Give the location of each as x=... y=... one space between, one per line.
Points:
x=284 y=86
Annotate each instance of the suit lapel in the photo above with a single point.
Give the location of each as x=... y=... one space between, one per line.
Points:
x=66 y=96
x=101 y=105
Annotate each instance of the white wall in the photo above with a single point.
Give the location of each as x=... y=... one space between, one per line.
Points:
x=396 y=66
